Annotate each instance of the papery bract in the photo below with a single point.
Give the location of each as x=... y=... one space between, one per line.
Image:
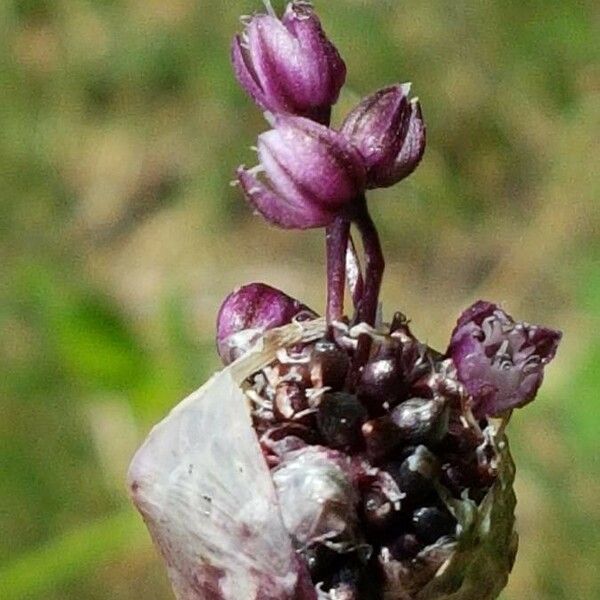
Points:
x=313 y=173
x=388 y=129
x=248 y=312
x=289 y=65
x=501 y=362
x=204 y=489
x=316 y=495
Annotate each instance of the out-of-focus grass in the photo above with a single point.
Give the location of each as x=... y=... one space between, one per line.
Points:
x=121 y=126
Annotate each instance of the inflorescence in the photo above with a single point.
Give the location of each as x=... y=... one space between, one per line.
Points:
x=368 y=431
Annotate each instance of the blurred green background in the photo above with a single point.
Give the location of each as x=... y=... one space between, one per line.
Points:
x=120 y=128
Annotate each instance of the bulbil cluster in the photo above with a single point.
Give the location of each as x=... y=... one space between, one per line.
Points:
x=368 y=433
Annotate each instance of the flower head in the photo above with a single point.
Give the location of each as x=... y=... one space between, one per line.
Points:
x=313 y=173
x=388 y=129
x=250 y=311
x=289 y=65
x=501 y=362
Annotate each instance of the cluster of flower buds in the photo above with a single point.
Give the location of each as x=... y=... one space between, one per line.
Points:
x=338 y=458
x=313 y=172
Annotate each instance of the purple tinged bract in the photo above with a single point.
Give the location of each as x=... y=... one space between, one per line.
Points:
x=312 y=173
x=500 y=361
x=289 y=65
x=250 y=311
x=388 y=129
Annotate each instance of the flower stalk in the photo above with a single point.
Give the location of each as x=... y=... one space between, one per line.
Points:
x=374 y=264
x=337 y=240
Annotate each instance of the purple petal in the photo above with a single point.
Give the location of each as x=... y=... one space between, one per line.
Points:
x=476 y=314
x=322 y=163
x=279 y=210
x=546 y=342
x=268 y=42
x=323 y=72
x=245 y=73
x=413 y=148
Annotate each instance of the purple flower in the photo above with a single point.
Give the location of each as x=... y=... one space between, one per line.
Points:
x=289 y=65
x=388 y=129
x=250 y=311
x=501 y=362
x=313 y=173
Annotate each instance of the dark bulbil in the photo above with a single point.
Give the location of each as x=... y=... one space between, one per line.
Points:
x=421 y=421
x=405 y=546
x=416 y=474
x=322 y=560
x=339 y=418
x=329 y=365
x=380 y=383
x=381 y=437
x=431 y=523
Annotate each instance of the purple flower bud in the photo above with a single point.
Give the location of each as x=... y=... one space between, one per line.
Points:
x=313 y=173
x=289 y=65
x=500 y=361
x=388 y=129
x=249 y=311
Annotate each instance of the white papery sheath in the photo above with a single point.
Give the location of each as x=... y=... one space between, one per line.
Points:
x=202 y=485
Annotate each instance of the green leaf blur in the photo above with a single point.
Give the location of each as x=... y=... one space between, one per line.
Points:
x=121 y=126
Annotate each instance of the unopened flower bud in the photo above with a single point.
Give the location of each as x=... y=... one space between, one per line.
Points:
x=312 y=173
x=248 y=312
x=289 y=65
x=500 y=361
x=388 y=129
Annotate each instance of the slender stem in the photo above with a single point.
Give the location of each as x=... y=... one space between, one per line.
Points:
x=337 y=237
x=354 y=275
x=374 y=264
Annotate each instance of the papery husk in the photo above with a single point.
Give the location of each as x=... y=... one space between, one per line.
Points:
x=204 y=490
x=476 y=566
